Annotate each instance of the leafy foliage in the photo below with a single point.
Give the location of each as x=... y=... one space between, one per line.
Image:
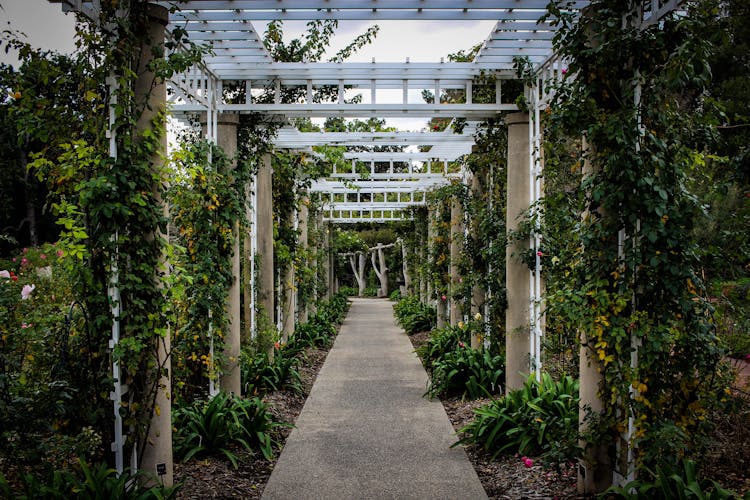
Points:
x=541 y=417
x=440 y=342
x=87 y=483
x=414 y=316
x=472 y=373
x=259 y=375
x=219 y=425
x=669 y=483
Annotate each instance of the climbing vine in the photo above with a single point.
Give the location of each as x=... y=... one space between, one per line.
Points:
x=629 y=275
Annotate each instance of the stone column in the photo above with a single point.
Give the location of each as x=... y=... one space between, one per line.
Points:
x=326 y=258
x=303 y=215
x=457 y=234
x=517 y=320
x=478 y=294
x=288 y=289
x=157 y=454
x=264 y=212
x=230 y=378
x=595 y=466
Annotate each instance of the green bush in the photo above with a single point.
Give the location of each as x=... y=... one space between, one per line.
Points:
x=668 y=483
x=540 y=418
x=220 y=425
x=440 y=342
x=90 y=482
x=414 y=316
x=467 y=372
x=259 y=375
x=348 y=291
x=395 y=295
x=371 y=291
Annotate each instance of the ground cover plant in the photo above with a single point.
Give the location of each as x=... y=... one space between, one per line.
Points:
x=539 y=419
x=412 y=315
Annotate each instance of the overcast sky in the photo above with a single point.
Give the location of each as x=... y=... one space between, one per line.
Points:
x=425 y=41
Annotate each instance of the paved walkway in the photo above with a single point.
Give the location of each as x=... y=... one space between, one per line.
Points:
x=366 y=431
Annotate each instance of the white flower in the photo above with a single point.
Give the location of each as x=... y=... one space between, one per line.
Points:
x=26 y=291
x=4 y=274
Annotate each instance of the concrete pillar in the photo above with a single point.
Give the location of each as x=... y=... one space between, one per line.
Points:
x=517 y=320
x=478 y=294
x=430 y=249
x=303 y=215
x=595 y=466
x=326 y=258
x=289 y=294
x=157 y=453
x=457 y=235
x=264 y=212
x=230 y=378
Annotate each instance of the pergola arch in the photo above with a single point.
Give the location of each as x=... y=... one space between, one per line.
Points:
x=239 y=58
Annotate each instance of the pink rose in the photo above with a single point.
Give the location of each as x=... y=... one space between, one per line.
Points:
x=42 y=256
x=60 y=253
x=26 y=291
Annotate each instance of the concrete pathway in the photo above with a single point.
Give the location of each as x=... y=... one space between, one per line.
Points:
x=366 y=431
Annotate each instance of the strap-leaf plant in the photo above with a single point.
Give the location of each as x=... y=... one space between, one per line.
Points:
x=631 y=93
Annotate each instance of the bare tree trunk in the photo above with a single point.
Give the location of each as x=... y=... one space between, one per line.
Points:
x=381 y=271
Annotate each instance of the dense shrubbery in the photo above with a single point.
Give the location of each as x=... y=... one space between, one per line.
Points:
x=441 y=341
x=414 y=316
x=540 y=418
x=472 y=373
x=87 y=482
x=222 y=424
x=667 y=483
x=458 y=370
x=259 y=374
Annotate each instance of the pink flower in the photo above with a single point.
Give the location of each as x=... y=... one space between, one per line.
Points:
x=747 y=358
x=14 y=259
x=25 y=250
x=443 y=297
x=26 y=291
x=276 y=345
x=461 y=344
x=5 y=274
x=42 y=256
x=539 y=253
x=60 y=253
x=26 y=325
x=24 y=261
x=528 y=462
x=564 y=71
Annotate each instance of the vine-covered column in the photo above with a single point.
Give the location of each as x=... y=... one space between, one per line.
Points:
x=264 y=228
x=230 y=379
x=478 y=293
x=456 y=235
x=302 y=297
x=156 y=458
x=517 y=325
x=288 y=291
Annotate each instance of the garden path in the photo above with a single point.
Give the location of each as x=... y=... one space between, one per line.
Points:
x=365 y=430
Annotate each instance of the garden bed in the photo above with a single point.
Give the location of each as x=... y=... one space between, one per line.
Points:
x=215 y=477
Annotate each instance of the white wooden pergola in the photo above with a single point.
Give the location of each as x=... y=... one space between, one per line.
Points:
x=380 y=186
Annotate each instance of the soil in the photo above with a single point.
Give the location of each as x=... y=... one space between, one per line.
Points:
x=505 y=477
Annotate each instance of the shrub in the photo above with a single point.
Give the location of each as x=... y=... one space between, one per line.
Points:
x=395 y=295
x=673 y=483
x=413 y=316
x=467 y=372
x=348 y=291
x=90 y=482
x=222 y=423
x=260 y=375
x=540 y=418
x=440 y=342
